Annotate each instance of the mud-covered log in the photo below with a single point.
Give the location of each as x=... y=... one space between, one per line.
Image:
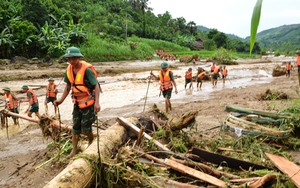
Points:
x=79 y=172
x=19 y=116
x=186 y=120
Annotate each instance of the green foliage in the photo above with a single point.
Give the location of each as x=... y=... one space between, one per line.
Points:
x=254 y=23
x=223 y=56
x=159 y=44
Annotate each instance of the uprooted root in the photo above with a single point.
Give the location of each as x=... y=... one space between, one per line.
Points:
x=46 y=125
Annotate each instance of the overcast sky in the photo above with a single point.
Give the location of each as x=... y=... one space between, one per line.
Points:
x=230 y=16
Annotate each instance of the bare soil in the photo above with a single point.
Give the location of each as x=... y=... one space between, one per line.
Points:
x=27 y=149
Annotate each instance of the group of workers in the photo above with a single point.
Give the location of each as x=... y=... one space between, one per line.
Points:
x=81 y=80
x=12 y=102
x=214 y=74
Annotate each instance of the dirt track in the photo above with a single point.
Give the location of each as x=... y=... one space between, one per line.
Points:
x=27 y=149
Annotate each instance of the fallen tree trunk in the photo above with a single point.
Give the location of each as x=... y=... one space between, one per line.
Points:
x=79 y=172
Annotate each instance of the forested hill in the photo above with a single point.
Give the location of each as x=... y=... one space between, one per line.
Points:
x=284 y=38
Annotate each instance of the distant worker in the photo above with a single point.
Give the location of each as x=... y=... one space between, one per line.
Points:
x=200 y=77
x=298 y=64
x=11 y=104
x=212 y=68
x=194 y=61
x=32 y=99
x=51 y=93
x=288 y=69
x=167 y=82
x=215 y=76
x=188 y=78
x=81 y=79
x=224 y=74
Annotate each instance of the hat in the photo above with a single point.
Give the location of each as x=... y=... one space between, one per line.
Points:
x=51 y=79
x=164 y=65
x=6 y=89
x=25 y=87
x=73 y=52
x=190 y=68
x=298 y=52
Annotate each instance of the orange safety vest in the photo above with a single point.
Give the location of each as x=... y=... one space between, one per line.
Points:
x=50 y=90
x=289 y=66
x=298 y=61
x=201 y=75
x=11 y=103
x=216 y=70
x=34 y=98
x=165 y=80
x=224 y=72
x=81 y=94
x=213 y=67
x=188 y=74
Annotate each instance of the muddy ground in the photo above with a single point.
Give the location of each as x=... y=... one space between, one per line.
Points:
x=26 y=148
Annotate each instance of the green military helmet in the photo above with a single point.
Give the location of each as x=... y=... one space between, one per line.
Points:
x=190 y=68
x=73 y=52
x=51 y=79
x=298 y=52
x=25 y=87
x=6 y=89
x=164 y=65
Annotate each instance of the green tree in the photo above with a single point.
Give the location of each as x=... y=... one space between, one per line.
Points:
x=34 y=11
x=24 y=32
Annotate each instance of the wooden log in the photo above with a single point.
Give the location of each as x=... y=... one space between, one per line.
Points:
x=262 y=181
x=195 y=173
x=207 y=169
x=20 y=116
x=136 y=130
x=182 y=122
x=287 y=167
x=79 y=172
x=187 y=170
x=244 y=180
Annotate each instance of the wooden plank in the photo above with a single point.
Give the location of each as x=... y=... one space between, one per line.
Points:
x=195 y=173
x=136 y=130
x=287 y=167
x=230 y=162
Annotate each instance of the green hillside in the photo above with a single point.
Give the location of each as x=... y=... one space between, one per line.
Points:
x=285 y=38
